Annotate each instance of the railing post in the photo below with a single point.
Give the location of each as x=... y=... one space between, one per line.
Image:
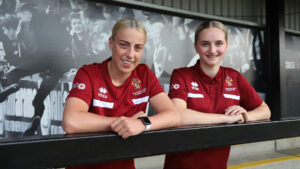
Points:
x=275 y=47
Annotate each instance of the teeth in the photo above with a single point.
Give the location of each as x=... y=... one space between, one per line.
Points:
x=127 y=62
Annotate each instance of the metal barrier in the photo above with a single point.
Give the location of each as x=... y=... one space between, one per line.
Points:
x=66 y=150
x=76 y=149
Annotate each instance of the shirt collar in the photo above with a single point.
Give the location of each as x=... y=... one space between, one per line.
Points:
x=204 y=76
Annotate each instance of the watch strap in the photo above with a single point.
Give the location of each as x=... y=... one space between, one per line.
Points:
x=146 y=122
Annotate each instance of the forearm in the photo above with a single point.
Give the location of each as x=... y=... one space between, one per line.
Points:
x=262 y=112
x=81 y=122
x=191 y=117
x=165 y=119
x=167 y=115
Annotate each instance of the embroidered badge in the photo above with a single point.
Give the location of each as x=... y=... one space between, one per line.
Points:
x=136 y=83
x=229 y=81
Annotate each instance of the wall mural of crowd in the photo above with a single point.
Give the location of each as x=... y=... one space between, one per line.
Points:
x=43 y=43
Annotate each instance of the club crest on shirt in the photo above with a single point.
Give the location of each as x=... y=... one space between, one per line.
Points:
x=136 y=83
x=140 y=92
x=228 y=81
x=80 y=86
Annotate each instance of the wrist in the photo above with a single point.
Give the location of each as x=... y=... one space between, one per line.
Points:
x=146 y=122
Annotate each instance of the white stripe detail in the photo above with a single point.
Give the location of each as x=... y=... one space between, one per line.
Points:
x=98 y=103
x=193 y=95
x=140 y=100
x=231 y=96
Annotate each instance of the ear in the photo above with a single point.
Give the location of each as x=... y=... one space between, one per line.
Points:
x=226 y=46
x=196 y=48
x=110 y=41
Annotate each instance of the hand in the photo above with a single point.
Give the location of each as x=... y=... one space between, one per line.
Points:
x=127 y=126
x=235 y=119
x=237 y=110
x=139 y=114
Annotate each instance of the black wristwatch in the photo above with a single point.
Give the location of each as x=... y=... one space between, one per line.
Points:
x=146 y=122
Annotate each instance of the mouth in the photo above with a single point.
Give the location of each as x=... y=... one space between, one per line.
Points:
x=127 y=63
x=214 y=56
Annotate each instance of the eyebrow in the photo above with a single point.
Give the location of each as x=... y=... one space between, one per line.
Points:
x=124 y=41
x=209 y=41
x=129 y=42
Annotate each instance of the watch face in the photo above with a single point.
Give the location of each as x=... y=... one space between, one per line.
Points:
x=145 y=120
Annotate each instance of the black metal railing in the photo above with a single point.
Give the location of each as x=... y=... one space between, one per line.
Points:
x=76 y=149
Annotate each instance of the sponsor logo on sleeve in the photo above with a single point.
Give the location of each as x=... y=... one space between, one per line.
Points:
x=175 y=86
x=80 y=86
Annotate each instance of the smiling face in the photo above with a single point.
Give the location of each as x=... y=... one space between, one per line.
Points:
x=211 y=46
x=127 y=48
x=10 y=33
x=76 y=25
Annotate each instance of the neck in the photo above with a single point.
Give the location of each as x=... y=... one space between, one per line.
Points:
x=117 y=78
x=210 y=71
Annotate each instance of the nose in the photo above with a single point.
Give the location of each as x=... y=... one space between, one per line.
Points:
x=212 y=49
x=130 y=52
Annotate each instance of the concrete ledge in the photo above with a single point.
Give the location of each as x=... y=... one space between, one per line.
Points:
x=152 y=162
x=286 y=144
x=285 y=162
x=274 y=154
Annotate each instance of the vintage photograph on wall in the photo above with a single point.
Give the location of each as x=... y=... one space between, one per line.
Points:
x=43 y=43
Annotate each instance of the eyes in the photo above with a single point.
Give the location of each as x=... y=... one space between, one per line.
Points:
x=218 y=43
x=126 y=45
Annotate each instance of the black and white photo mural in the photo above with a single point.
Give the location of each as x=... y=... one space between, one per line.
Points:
x=44 y=42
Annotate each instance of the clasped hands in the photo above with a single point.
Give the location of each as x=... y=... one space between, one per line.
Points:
x=128 y=126
x=237 y=114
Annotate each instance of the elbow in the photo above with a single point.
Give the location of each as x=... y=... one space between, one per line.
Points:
x=68 y=127
x=268 y=112
x=175 y=121
x=268 y=116
x=178 y=121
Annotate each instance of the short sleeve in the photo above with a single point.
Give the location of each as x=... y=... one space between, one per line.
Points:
x=178 y=87
x=82 y=86
x=249 y=97
x=154 y=84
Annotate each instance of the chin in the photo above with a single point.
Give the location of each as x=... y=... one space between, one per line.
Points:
x=127 y=70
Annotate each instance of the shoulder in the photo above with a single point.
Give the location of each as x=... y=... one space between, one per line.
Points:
x=231 y=72
x=185 y=71
x=90 y=70
x=143 y=69
x=91 y=67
